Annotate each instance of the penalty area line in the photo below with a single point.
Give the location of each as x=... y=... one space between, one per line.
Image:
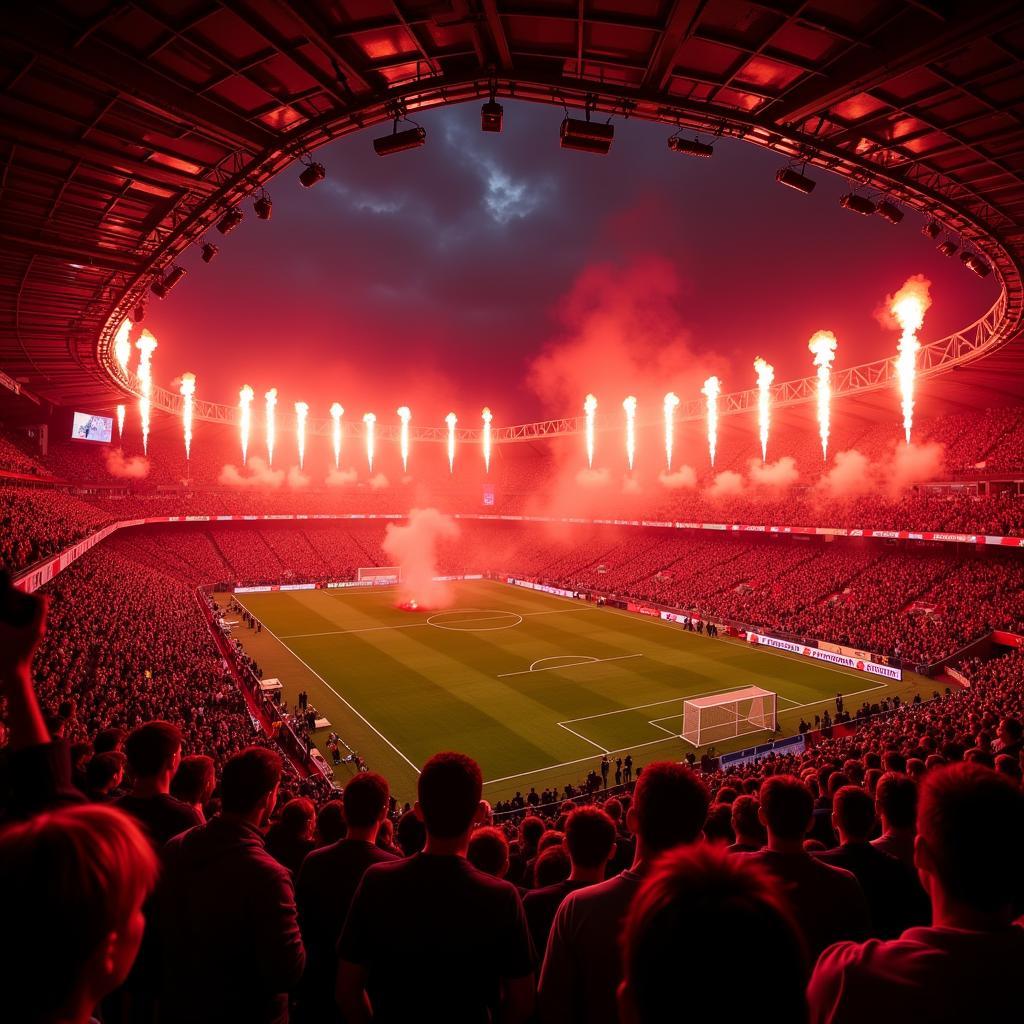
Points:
x=576 y=664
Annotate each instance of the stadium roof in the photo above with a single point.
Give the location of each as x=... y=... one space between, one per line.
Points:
x=129 y=128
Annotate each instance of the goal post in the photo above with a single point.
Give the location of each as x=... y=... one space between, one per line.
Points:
x=380 y=573
x=725 y=716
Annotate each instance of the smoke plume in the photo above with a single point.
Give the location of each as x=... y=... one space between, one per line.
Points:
x=256 y=473
x=683 y=477
x=341 y=477
x=414 y=548
x=134 y=468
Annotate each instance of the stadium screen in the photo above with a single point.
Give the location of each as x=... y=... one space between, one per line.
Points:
x=92 y=428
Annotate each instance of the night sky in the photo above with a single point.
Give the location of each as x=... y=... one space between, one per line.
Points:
x=502 y=270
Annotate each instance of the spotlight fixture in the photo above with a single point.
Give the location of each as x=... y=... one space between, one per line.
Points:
x=230 y=221
x=139 y=313
x=889 y=211
x=398 y=141
x=856 y=203
x=160 y=288
x=491 y=116
x=931 y=229
x=208 y=252
x=972 y=261
x=587 y=136
x=948 y=247
x=263 y=207
x=690 y=147
x=311 y=174
x=792 y=178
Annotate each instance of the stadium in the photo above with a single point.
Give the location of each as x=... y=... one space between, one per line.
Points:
x=524 y=499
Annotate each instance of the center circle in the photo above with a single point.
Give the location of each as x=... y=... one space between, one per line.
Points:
x=476 y=620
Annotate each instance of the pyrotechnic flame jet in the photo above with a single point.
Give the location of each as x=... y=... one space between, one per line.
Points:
x=271 y=400
x=245 y=396
x=146 y=346
x=671 y=401
x=120 y=422
x=301 y=411
x=590 y=410
x=765 y=376
x=369 y=420
x=451 y=420
x=336 y=413
x=711 y=390
x=487 y=417
x=122 y=344
x=823 y=345
x=404 y=414
x=629 y=404
x=908 y=307
x=187 y=389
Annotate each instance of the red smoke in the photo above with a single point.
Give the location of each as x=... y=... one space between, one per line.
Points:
x=414 y=548
x=134 y=468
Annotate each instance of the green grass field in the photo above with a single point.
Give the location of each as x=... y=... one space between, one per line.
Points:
x=533 y=686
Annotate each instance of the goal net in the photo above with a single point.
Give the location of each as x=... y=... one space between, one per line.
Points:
x=380 y=573
x=727 y=715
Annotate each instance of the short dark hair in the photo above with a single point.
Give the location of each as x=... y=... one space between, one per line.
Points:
x=745 y=821
x=531 y=828
x=551 y=866
x=247 y=778
x=87 y=867
x=194 y=780
x=854 y=811
x=730 y=903
x=450 y=787
x=972 y=820
x=365 y=797
x=410 y=834
x=150 y=747
x=896 y=799
x=108 y=739
x=589 y=836
x=787 y=806
x=330 y=822
x=488 y=850
x=670 y=803
x=102 y=768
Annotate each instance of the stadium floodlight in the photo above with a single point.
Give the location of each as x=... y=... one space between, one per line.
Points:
x=263 y=207
x=792 y=178
x=948 y=247
x=208 y=252
x=586 y=136
x=230 y=221
x=889 y=211
x=173 y=278
x=158 y=289
x=931 y=229
x=491 y=116
x=724 y=716
x=311 y=174
x=857 y=204
x=973 y=261
x=690 y=147
x=398 y=142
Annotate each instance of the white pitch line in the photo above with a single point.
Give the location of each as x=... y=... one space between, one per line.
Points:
x=345 y=632
x=354 y=711
x=653 y=704
x=576 y=664
x=661 y=727
x=603 y=750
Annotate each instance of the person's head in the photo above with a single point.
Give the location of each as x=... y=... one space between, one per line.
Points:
x=298 y=817
x=1010 y=731
x=786 y=808
x=531 y=828
x=249 y=784
x=718 y=824
x=746 y=824
x=107 y=740
x=728 y=903
x=410 y=834
x=589 y=838
x=104 y=772
x=970 y=838
x=668 y=808
x=551 y=866
x=853 y=814
x=488 y=851
x=154 y=751
x=896 y=801
x=194 y=780
x=449 y=791
x=330 y=822
x=366 y=801
x=84 y=871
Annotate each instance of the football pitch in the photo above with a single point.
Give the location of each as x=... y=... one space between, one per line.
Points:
x=534 y=687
